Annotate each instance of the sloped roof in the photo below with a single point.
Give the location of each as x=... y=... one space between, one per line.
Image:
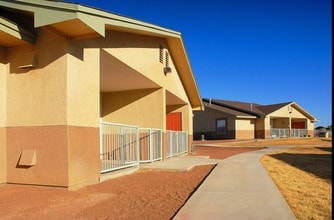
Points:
x=228 y=110
x=267 y=109
x=241 y=107
x=75 y=21
x=255 y=109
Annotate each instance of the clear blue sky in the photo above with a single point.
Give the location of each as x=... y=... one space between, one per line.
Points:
x=261 y=51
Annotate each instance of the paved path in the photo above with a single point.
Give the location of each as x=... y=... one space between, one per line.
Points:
x=239 y=188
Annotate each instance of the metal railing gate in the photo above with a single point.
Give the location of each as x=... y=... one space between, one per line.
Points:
x=123 y=146
x=150 y=144
x=119 y=146
x=177 y=143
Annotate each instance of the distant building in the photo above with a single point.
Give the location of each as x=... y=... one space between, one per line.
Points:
x=322 y=132
x=223 y=119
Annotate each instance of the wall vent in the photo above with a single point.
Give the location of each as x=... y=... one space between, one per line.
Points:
x=161 y=54
x=28 y=60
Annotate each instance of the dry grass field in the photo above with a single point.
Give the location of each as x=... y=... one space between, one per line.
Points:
x=303 y=173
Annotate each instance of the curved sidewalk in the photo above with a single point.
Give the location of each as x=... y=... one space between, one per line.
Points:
x=238 y=188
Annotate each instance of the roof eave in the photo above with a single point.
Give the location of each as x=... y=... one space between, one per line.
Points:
x=245 y=116
x=18 y=32
x=307 y=114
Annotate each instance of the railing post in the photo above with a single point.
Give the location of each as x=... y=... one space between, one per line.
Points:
x=171 y=144
x=150 y=145
x=137 y=145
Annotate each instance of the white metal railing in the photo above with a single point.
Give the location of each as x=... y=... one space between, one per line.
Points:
x=279 y=132
x=150 y=144
x=119 y=146
x=176 y=143
x=283 y=132
x=299 y=133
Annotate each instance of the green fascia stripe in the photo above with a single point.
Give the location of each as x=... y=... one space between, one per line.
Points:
x=49 y=12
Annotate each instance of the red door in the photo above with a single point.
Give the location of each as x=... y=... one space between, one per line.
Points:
x=173 y=121
x=298 y=125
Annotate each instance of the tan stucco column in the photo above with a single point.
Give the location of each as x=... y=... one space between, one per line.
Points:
x=290 y=130
x=3 y=87
x=83 y=115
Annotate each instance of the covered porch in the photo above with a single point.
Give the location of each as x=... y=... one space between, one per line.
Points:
x=123 y=146
x=285 y=127
x=133 y=116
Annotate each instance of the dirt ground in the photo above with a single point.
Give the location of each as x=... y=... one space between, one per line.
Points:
x=141 y=195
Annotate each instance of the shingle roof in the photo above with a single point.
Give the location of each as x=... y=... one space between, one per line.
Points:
x=244 y=108
x=227 y=110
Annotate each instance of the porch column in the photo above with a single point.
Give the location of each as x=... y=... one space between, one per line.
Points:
x=83 y=116
x=3 y=71
x=290 y=130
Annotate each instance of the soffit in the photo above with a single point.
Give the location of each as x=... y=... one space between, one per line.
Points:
x=117 y=76
x=172 y=99
x=303 y=111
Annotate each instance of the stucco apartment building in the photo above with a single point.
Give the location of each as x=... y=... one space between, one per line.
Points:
x=65 y=69
x=226 y=119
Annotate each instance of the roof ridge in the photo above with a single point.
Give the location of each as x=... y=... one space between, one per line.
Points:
x=217 y=102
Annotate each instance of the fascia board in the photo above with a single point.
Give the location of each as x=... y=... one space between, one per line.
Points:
x=45 y=16
x=96 y=24
x=49 y=12
x=244 y=116
x=17 y=31
x=303 y=111
x=178 y=52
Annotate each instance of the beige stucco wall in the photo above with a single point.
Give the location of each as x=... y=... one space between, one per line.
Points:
x=54 y=109
x=142 y=54
x=245 y=128
x=37 y=97
x=36 y=111
x=83 y=87
x=3 y=82
x=144 y=108
x=3 y=99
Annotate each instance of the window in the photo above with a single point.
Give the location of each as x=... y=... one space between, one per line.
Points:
x=221 y=126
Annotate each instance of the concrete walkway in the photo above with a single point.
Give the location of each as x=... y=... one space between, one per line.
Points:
x=238 y=188
x=181 y=163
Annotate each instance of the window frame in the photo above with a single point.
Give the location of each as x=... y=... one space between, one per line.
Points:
x=225 y=126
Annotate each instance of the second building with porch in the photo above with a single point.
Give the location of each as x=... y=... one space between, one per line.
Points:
x=224 y=119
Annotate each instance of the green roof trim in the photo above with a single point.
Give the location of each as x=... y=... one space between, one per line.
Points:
x=51 y=12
